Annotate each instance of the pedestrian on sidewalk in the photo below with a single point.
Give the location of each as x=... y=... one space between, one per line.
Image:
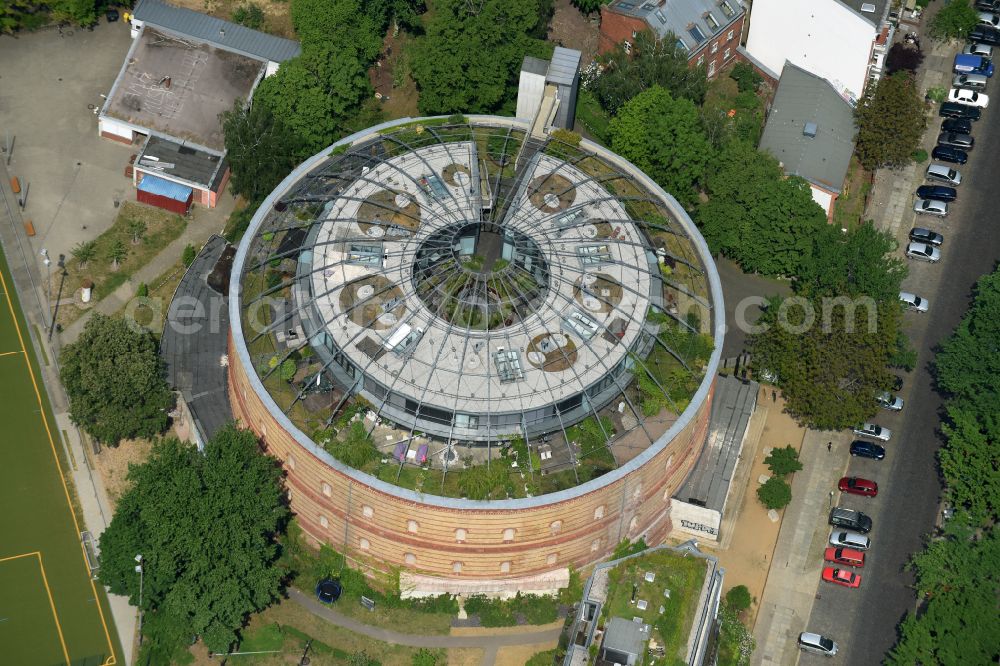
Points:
x=829 y=447
x=774 y=396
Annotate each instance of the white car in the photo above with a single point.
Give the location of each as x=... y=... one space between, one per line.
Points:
x=849 y=539
x=923 y=252
x=989 y=18
x=913 y=302
x=930 y=207
x=969 y=97
x=873 y=431
x=889 y=401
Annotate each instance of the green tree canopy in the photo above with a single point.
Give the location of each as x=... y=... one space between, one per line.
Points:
x=349 y=27
x=663 y=136
x=831 y=361
x=260 y=149
x=30 y=14
x=775 y=493
x=471 y=55
x=114 y=379
x=783 y=461
x=764 y=221
x=205 y=525
x=315 y=95
x=858 y=263
x=648 y=62
x=891 y=121
x=954 y=20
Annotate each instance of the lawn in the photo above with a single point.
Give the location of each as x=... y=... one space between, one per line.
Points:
x=591 y=118
x=50 y=609
x=162 y=228
x=683 y=576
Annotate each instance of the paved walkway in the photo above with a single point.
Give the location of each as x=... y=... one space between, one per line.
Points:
x=490 y=644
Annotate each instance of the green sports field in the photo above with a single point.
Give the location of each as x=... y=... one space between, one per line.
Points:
x=50 y=610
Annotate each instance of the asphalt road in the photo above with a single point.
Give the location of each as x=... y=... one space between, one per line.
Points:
x=864 y=621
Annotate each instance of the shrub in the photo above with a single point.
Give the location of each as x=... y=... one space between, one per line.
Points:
x=746 y=77
x=187 y=257
x=937 y=94
x=919 y=155
x=249 y=15
x=288 y=370
x=783 y=461
x=142 y=291
x=775 y=494
x=626 y=548
x=739 y=598
x=457 y=119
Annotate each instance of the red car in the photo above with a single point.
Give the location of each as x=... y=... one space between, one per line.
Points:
x=845 y=556
x=858 y=486
x=841 y=577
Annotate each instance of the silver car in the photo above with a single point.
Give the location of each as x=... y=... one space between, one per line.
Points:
x=817 y=644
x=977 y=49
x=943 y=174
x=970 y=81
x=849 y=539
x=913 y=302
x=989 y=18
x=873 y=431
x=923 y=252
x=930 y=207
x=889 y=401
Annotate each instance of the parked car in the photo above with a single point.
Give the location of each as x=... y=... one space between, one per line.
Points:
x=988 y=5
x=969 y=63
x=889 y=401
x=850 y=519
x=968 y=97
x=971 y=81
x=963 y=125
x=989 y=18
x=939 y=192
x=849 y=539
x=954 y=110
x=956 y=140
x=977 y=49
x=846 y=556
x=921 y=235
x=930 y=207
x=844 y=577
x=984 y=34
x=923 y=252
x=865 y=449
x=948 y=154
x=855 y=485
x=913 y=302
x=873 y=431
x=809 y=642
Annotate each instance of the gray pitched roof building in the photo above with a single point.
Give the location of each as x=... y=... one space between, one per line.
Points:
x=223 y=34
x=693 y=21
x=810 y=129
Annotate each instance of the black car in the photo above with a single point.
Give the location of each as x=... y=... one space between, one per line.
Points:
x=984 y=34
x=962 y=125
x=956 y=140
x=860 y=447
x=988 y=5
x=949 y=154
x=328 y=590
x=956 y=110
x=921 y=235
x=939 y=192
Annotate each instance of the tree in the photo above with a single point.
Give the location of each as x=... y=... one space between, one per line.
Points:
x=350 y=27
x=314 y=95
x=746 y=77
x=903 y=57
x=891 y=121
x=764 y=221
x=260 y=149
x=424 y=657
x=783 y=461
x=471 y=55
x=646 y=63
x=958 y=622
x=137 y=229
x=663 y=137
x=114 y=379
x=249 y=14
x=205 y=524
x=84 y=252
x=117 y=253
x=738 y=598
x=588 y=6
x=954 y=21
x=858 y=263
x=829 y=357
x=775 y=493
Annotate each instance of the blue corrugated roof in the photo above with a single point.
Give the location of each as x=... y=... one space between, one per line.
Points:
x=165 y=188
x=216 y=31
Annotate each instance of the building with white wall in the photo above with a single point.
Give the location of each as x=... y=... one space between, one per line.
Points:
x=842 y=41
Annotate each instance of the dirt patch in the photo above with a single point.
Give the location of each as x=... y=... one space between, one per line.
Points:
x=277 y=13
x=465 y=657
x=112 y=464
x=390 y=76
x=517 y=655
x=504 y=631
x=574 y=30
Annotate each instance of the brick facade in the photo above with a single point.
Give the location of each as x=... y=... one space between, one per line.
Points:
x=383 y=530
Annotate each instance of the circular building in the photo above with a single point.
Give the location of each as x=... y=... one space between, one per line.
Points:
x=482 y=355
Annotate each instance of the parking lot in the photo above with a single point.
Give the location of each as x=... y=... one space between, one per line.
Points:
x=863 y=621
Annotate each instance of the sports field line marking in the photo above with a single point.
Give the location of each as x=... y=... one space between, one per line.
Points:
x=48 y=591
x=52 y=445
x=11 y=353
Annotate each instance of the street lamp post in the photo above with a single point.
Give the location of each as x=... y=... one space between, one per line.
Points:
x=139 y=570
x=48 y=279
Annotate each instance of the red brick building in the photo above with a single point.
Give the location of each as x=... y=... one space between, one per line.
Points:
x=709 y=30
